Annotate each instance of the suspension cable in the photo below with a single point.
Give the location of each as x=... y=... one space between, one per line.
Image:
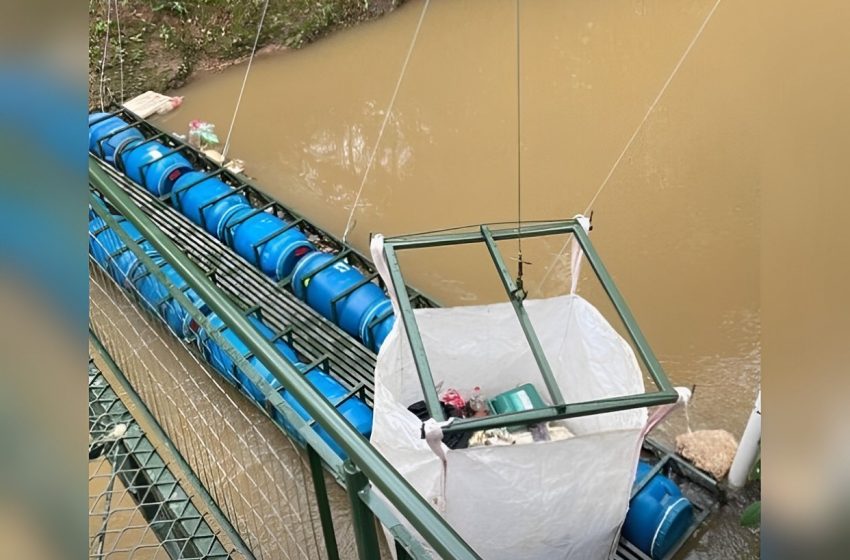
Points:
x=105 y=50
x=349 y=224
x=120 y=51
x=653 y=105
x=518 y=147
x=634 y=135
x=245 y=80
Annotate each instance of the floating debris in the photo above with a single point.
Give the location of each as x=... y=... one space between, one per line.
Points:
x=710 y=450
x=151 y=102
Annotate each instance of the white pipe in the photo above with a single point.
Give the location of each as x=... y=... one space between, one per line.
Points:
x=748 y=449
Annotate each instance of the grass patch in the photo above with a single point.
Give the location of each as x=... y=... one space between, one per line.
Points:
x=164 y=41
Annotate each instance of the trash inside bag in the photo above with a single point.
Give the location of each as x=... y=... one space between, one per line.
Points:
x=554 y=490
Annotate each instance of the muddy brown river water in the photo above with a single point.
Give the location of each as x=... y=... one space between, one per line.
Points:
x=677 y=223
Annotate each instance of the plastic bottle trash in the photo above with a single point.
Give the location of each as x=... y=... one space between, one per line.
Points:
x=477 y=404
x=539 y=432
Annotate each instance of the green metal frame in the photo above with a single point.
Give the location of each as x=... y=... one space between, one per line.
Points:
x=377 y=470
x=559 y=410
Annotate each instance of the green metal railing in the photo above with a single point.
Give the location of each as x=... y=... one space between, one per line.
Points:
x=516 y=295
x=365 y=466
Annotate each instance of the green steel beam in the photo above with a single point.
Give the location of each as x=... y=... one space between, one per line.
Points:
x=550 y=413
x=426 y=379
x=319 y=487
x=305 y=431
x=516 y=298
x=643 y=348
x=365 y=532
x=153 y=428
x=407 y=546
x=275 y=400
x=444 y=239
x=379 y=471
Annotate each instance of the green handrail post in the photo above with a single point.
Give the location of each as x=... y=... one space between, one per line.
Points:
x=401 y=552
x=404 y=540
x=379 y=471
x=362 y=518
x=324 y=506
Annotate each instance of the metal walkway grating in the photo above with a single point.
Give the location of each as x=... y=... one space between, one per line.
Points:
x=137 y=506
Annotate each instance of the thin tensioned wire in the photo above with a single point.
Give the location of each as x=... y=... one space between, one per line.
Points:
x=653 y=105
x=518 y=145
x=245 y=80
x=105 y=50
x=387 y=113
x=637 y=130
x=120 y=50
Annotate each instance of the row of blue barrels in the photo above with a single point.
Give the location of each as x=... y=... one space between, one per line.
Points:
x=279 y=249
x=128 y=270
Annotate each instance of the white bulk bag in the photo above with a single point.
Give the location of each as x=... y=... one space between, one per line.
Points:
x=545 y=500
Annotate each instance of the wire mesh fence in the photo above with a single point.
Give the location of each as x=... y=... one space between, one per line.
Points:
x=138 y=508
x=258 y=476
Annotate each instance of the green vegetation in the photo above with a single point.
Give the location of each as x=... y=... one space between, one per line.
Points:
x=162 y=42
x=751 y=517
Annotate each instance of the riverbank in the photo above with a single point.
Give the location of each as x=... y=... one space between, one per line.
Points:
x=137 y=45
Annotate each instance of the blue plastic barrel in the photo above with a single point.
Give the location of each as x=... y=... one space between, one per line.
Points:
x=110 y=251
x=157 y=297
x=374 y=337
x=659 y=515
x=146 y=163
x=191 y=199
x=101 y=241
x=221 y=360
x=358 y=414
x=102 y=142
x=320 y=289
x=251 y=389
x=278 y=255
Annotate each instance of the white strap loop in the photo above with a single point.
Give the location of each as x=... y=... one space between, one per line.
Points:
x=376 y=248
x=662 y=411
x=434 y=436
